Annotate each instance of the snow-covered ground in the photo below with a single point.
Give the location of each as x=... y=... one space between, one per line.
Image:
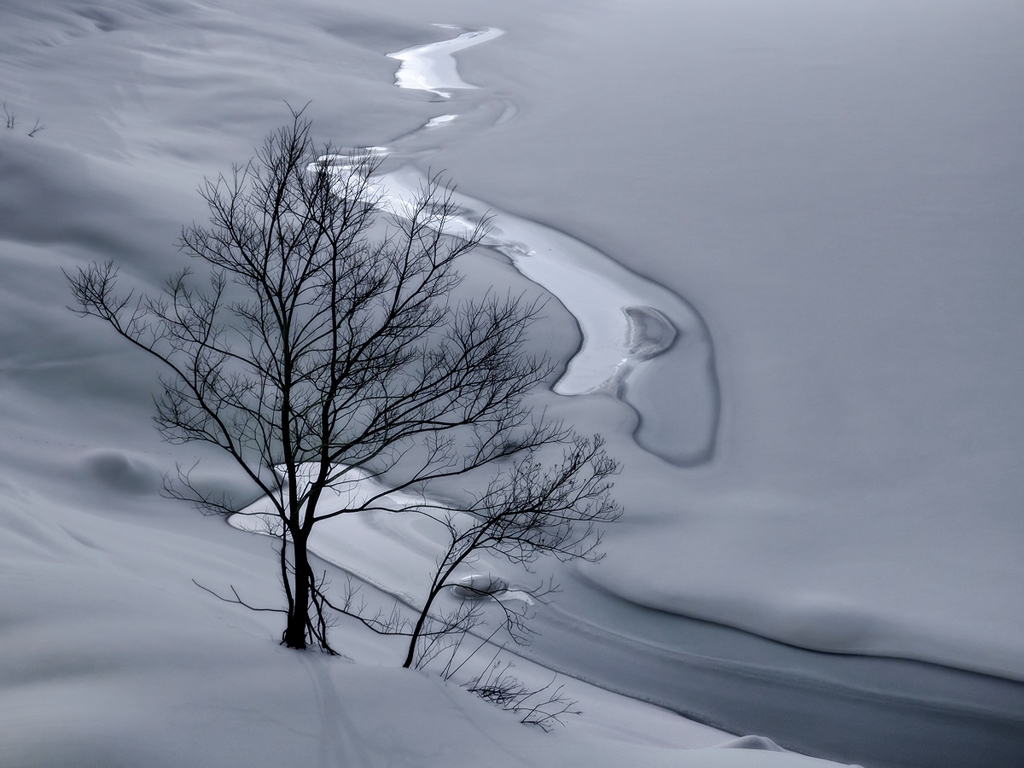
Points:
x=834 y=191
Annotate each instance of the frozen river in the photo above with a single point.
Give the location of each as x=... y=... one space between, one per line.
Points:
x=640 y=342
x=783 y=245
x=647 y=346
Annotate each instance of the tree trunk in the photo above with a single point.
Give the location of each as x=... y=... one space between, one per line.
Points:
x=298 y=614
x=410 y=655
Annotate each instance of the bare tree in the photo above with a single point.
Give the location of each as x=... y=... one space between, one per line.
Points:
x=322 y=347
x=531 y=509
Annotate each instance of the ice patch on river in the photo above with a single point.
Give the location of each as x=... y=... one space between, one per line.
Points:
x=432 y=67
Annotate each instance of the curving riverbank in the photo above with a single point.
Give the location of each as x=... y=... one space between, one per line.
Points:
x=640 y=342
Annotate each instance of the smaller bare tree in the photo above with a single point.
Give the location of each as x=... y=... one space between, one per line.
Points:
x=530 y=510
x=326 y=350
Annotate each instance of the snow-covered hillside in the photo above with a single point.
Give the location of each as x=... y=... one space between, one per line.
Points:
x=825 y=200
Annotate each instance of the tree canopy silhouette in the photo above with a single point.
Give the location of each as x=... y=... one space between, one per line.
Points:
x=319 y=346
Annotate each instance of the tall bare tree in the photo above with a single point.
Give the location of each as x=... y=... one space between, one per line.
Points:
x=321 y=346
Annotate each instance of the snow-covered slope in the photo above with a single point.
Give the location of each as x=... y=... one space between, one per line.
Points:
x=113 y=657
x=835 y=188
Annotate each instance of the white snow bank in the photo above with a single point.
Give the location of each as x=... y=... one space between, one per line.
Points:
x=432 y=67
x=113 y=657
x=626 y=321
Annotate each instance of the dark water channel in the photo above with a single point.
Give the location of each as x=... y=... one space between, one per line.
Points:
x=873 y=711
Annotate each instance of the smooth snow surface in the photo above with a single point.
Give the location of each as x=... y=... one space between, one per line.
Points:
x=835 y=188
